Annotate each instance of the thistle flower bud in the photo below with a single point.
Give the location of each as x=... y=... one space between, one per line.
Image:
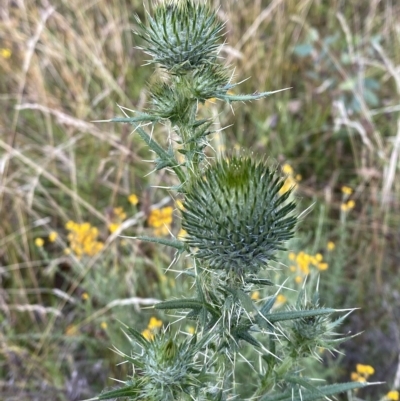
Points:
x=169 y=369
x=235 y=216
x=308 y=334
x=181 y=35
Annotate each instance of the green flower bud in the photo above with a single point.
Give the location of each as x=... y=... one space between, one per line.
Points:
x=236 y=216
x=169 y=369
x=182 y=35
x=308 y=334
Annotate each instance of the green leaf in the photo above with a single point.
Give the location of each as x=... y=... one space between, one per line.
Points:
x=280 y=316
x=260 y=281
x=179 y=245
x=267 y=306
x=319 y=392
x=188 y=303
x=246 y=336
x=166 y=157
x=242 y=98
x=141 y=117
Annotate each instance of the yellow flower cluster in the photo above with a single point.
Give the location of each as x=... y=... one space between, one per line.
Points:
x=39 y=242
x=346 y=206
x=118 y=216
x=303 y=261
x=291 y=179
x=393 y=395
x=347 y=190
x=152 y=327
x=160 y=220
x=362 y=373
x=82 y=239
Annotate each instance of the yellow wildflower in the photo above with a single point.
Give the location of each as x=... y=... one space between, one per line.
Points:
x=280 y=299
x=83 y=239
x=298 y=279
x=103 y=325
x=5 y=53
x=304 y=261
x=288 y=184
x=147 y=334
x=348 y=205
x=53 y=236
x=393 y=395
x=118 y=215
x=255 y=296
x=362 y=373
x=154 y=323
x=351 y=204
x=322 y=266
x=85 y=296
x=318 y=257
x=291 y=180
x=133 y=199
x=330 y=246
x=119 y=212
x=113 y=227
x=39 y=242
x=191 y=330
x=287 y=169
x=365 y=370
x=346 y=190
x=161 y=220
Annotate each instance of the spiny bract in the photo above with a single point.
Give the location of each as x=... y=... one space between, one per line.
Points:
x=235 y=215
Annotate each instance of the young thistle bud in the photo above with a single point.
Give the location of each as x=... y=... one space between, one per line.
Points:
x=236 y=217
x=169 y=369
x=310 y=334
x=181 y=36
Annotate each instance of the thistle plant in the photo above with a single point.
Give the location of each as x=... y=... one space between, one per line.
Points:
x=237 y=217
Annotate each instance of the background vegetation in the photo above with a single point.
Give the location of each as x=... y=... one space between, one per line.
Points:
x=67 y=278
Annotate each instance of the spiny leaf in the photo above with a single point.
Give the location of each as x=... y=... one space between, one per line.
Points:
x=179 y=245
x=319 y=393
x=290 y=315
x=260 y=281
x=243 y=98
x=188 y=303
